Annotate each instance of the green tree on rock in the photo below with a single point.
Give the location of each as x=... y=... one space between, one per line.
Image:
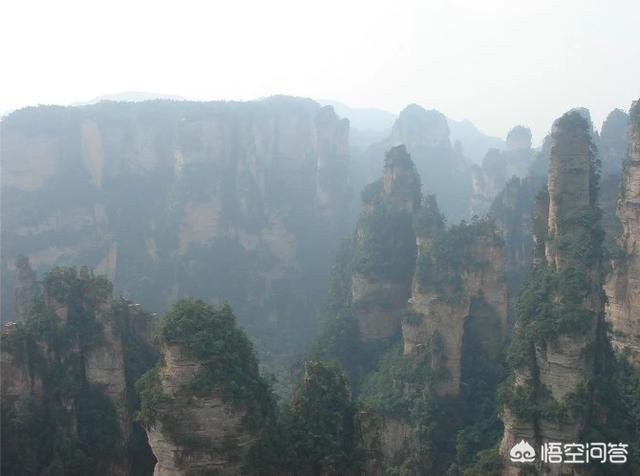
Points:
x=320 y=424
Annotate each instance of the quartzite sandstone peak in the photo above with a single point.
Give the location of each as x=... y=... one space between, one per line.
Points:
x=455 y=295
x=553 y=364
x=623 y=285
x=385 y=248
x=70 y=356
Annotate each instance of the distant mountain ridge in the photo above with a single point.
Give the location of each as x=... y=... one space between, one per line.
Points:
x=130 y=96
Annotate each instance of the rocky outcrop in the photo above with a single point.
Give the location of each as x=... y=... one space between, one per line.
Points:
x=385 y=248
x=552 y=356
x=76 y=350
x=387 y=441
x=197 y=434
x=105 y=368
x=571 y=183
x=623 y=284
x=459 y=287
x=204 y=404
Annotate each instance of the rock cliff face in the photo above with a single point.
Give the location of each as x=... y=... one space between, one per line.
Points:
x=459 y=287
x=204 y=404
x=387 y=441
x=623 y=284
x=554 y=348
x=152 y=194
x=435 y=301
x=571 y=183
x=72 y=354
x=213 y=437
x=385 y=248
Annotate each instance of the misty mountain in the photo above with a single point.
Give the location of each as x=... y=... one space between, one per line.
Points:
x=475 y=143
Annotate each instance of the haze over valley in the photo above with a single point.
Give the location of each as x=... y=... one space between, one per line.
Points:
x=343 y=240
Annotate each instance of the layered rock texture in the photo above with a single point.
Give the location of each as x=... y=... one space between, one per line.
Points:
x=560 y=310
x=459 y=288
x=242 y=202
x=623 y=284
x=204 y=405
x=198 y=433
x=68 y=369
x=384 y=254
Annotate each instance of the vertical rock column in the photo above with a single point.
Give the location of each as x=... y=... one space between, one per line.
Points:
x=457 y=281
x=623 y=285
x=561 y=307
x=385 y=248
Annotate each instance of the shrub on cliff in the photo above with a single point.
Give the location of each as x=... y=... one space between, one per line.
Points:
x=210 y=336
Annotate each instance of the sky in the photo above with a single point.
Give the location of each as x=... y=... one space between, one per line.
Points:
x=497 y=63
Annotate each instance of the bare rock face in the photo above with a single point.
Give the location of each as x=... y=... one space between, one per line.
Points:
x=386 y=439
x=553 y=365
x=203 y=406
x=571 y=180
x=197 y=434
x=385 y=248
x=104 y=368
x=623 y=284
x=471 y=298
x=134 y=189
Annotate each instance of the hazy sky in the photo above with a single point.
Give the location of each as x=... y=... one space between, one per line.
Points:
x=495 y=62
